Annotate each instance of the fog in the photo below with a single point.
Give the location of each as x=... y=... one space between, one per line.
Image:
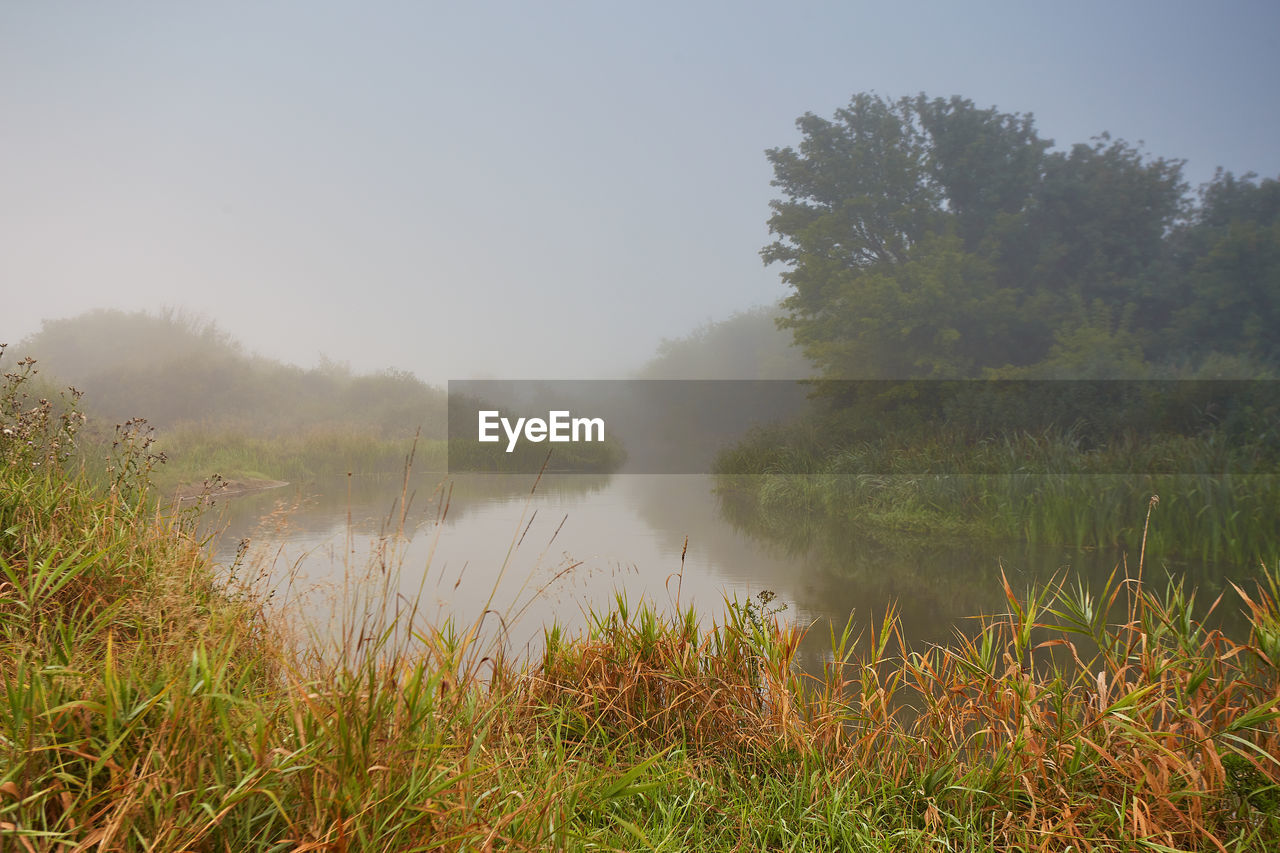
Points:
x=511 y=191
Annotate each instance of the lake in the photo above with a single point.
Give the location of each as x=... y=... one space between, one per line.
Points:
x=529 y=556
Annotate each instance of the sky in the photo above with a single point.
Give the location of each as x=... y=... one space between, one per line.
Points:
x=520 y=190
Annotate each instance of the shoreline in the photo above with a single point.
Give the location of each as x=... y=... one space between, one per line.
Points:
x=234 y=488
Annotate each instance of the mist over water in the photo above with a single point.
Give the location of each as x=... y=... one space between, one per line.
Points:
x=278 y=234
x=550 y=554
x=639 y=426
x=490 y=191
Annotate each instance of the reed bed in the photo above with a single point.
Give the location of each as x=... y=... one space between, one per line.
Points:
x=1041 y=488
x=147 y=703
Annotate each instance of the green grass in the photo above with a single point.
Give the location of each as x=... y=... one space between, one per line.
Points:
x=194 y=452
x=1043 y=489
x=145 y=706
x=147 y=702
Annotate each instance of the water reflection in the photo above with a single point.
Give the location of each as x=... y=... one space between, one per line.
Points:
x=532 y=556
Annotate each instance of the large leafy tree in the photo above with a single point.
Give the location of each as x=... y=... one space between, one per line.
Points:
x=1227 y=262
x=931 y=238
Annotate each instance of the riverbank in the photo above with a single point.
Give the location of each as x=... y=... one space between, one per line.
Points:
x=1216 y=497
x=223 y=488
x=151 y=701
x=196 y=452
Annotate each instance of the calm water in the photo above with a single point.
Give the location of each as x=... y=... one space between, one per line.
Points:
x=534 y=557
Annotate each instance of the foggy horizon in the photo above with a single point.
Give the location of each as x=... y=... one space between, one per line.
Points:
x=502 y=192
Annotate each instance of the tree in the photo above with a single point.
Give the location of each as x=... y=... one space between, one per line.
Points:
x=1097 y=227
x=1228 y=260
x=930 y=238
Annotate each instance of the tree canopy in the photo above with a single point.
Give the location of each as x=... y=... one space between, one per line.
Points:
x=930 y=238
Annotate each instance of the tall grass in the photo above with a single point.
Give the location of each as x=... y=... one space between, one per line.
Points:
x=146 y=704
x=1045 y=489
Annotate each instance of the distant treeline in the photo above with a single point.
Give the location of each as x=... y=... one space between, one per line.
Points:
x=747 y=345
x=219 y=409
x=172 y=368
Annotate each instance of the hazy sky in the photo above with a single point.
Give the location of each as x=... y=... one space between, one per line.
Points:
x=520 y=189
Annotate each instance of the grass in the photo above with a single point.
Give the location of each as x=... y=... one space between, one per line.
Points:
x=1040 y=488
x=148 y=704
x=195 y=452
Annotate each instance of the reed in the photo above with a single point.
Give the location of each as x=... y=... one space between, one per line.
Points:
x=1041 y=488
x=147 y=703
